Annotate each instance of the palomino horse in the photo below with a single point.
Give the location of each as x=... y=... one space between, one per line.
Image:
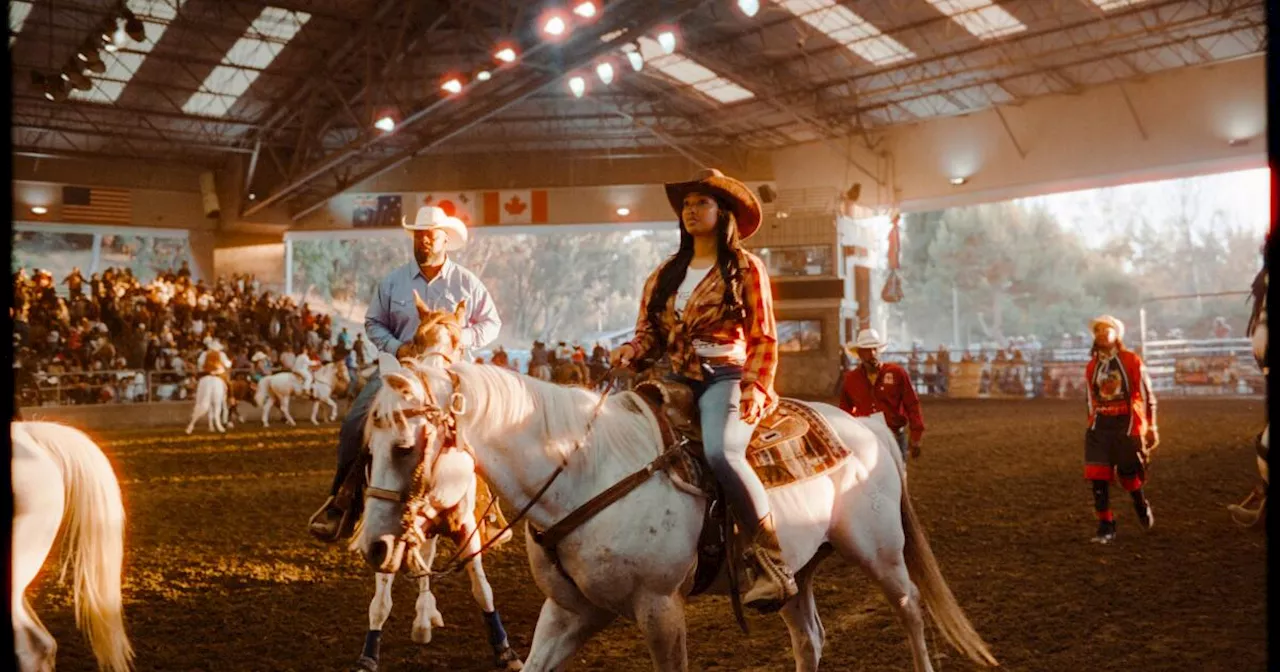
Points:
x=211 y=400
x=279 y=388
x=1241 y=513
x=388 y=435
x=61 y=480
x=555 y=448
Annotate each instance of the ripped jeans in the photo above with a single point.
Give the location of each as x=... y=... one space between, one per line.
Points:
x=724 y=440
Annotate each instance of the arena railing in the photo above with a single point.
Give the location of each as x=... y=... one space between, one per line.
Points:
x=120 y=386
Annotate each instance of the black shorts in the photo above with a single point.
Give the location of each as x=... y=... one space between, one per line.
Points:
x=1108 y=446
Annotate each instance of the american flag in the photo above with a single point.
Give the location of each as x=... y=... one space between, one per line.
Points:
x=98 y=206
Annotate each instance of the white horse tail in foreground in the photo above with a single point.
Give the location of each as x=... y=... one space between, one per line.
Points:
x=211 y=399
x=636 y=557
x=62 y=480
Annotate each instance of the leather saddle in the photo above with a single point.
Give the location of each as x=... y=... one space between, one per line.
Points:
x=791 y=444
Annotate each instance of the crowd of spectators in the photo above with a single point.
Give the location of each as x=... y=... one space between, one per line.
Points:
x=111 y=337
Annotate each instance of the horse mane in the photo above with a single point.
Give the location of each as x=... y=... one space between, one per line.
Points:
x=505 y=400
x=1259 y=293
x=437 y=318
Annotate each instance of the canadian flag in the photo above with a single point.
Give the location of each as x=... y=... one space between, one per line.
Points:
x=528 y=206
x=454 y=204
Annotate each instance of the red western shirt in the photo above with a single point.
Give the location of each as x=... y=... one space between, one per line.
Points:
x=893 y=394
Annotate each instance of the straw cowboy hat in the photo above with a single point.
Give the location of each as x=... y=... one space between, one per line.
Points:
x=742 y=201
x=258 y=356
x=869 y=339
x=430 y=217
x=1110 y=321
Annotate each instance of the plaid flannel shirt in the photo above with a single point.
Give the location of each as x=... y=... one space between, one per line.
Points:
x=703 y=320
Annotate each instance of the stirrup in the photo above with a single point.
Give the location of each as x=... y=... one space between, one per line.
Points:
x=319 y=519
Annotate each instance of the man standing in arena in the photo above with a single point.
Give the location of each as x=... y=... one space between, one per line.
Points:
x=883 y=387
x=391 y=322
x=1122 y=425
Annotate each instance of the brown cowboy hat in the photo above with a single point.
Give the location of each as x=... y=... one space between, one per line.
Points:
x=743 y=201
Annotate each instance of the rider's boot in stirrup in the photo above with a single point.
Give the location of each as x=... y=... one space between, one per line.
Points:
x=328 y=523
x=772 y=582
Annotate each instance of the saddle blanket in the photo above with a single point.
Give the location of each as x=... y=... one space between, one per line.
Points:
x=781 y=464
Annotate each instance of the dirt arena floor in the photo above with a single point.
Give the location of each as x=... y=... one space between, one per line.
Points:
x=221 y=574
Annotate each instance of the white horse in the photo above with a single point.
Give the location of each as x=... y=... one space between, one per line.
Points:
x=279 y=389
x=330 y=378
x=61 y=480
x=636 y=558
x=211 y=400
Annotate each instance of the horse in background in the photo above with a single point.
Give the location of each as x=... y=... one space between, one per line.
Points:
x=63 y=482
x=211 y=400
x=330 y=381
x=278 y=389
x=1241 y=513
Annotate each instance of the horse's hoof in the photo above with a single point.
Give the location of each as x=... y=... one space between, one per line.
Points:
x=365 y=664
x=508 y=660
x=437 y=619
x=421 y=634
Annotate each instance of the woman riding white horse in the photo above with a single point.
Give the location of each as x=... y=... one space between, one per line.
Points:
x=62 y=481
x=213 y=390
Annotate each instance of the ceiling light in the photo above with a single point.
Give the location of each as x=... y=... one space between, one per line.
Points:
x=586 y=9
x=1238 y=142
x=506 y=54
x=783 y=214
x=39 y=209
x=667 y=40
x=55 y=89
x=91 y=58
x=452 y=85
x=121 y=36
x=385 y=124
x=134 y=28
x=636 y=60
x=73 y=76
x=483 y=76
x=749 y=7
x=554 y=25
x=957 y=181
x=253 y=196
x=578 y=86
x=605 y=72
x=623 y=212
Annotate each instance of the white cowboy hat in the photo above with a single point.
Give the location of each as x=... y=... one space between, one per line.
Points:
x=1112 y=322
x=214 y=344
x=870 y=339
x=431 y=217
x=258 y=356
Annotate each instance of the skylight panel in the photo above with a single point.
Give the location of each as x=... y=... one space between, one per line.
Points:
x=257 y=48
x=696 y=75
x=854 y=32
x=981 y=18
x=1108 y=5
x=123 y=65
x=18 y=11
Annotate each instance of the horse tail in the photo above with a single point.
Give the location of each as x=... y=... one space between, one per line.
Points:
x=93 y=542
x=934 y=591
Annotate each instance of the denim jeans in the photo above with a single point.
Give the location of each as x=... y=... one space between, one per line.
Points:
x=901 y=436
x=724 y=441
x=351 y=436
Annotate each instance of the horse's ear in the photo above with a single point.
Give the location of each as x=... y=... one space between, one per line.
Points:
x=387 y=363
x=399 y=383
x=460 y=312
x=423 y=310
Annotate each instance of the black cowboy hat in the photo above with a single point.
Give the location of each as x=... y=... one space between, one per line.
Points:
x=742 y=201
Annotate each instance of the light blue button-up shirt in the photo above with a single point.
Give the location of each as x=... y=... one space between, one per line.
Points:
x=392 y=318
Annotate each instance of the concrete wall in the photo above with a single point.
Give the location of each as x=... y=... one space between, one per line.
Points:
x=160 y=414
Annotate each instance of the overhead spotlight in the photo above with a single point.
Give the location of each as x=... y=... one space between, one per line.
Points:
x=586 y=9
x=73 y=76
x=107 y=35
x=578 y=86
x=667 y=40
x=253 y=196
x=605 y=72
x=767 y=194
x=134 y=28
x=957 y=181
x=88 y=54
x=385 y=124
x=554 y=25
x=452 y=84
x=55 y=89
x=39 y=210
x=505 y=53
x=623 y=212
x=783 y=214
x=749 y=7
x=635 y=59
x=483 y=76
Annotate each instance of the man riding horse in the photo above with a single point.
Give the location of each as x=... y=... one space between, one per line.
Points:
x=391 y=322
x=214 y=362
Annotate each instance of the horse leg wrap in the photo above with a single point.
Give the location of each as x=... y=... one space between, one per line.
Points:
x=497 y=634
x=372 y=639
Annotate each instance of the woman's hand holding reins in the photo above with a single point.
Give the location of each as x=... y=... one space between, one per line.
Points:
x=621 y=356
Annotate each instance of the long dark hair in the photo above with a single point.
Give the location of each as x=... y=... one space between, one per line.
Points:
x=673 y=270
